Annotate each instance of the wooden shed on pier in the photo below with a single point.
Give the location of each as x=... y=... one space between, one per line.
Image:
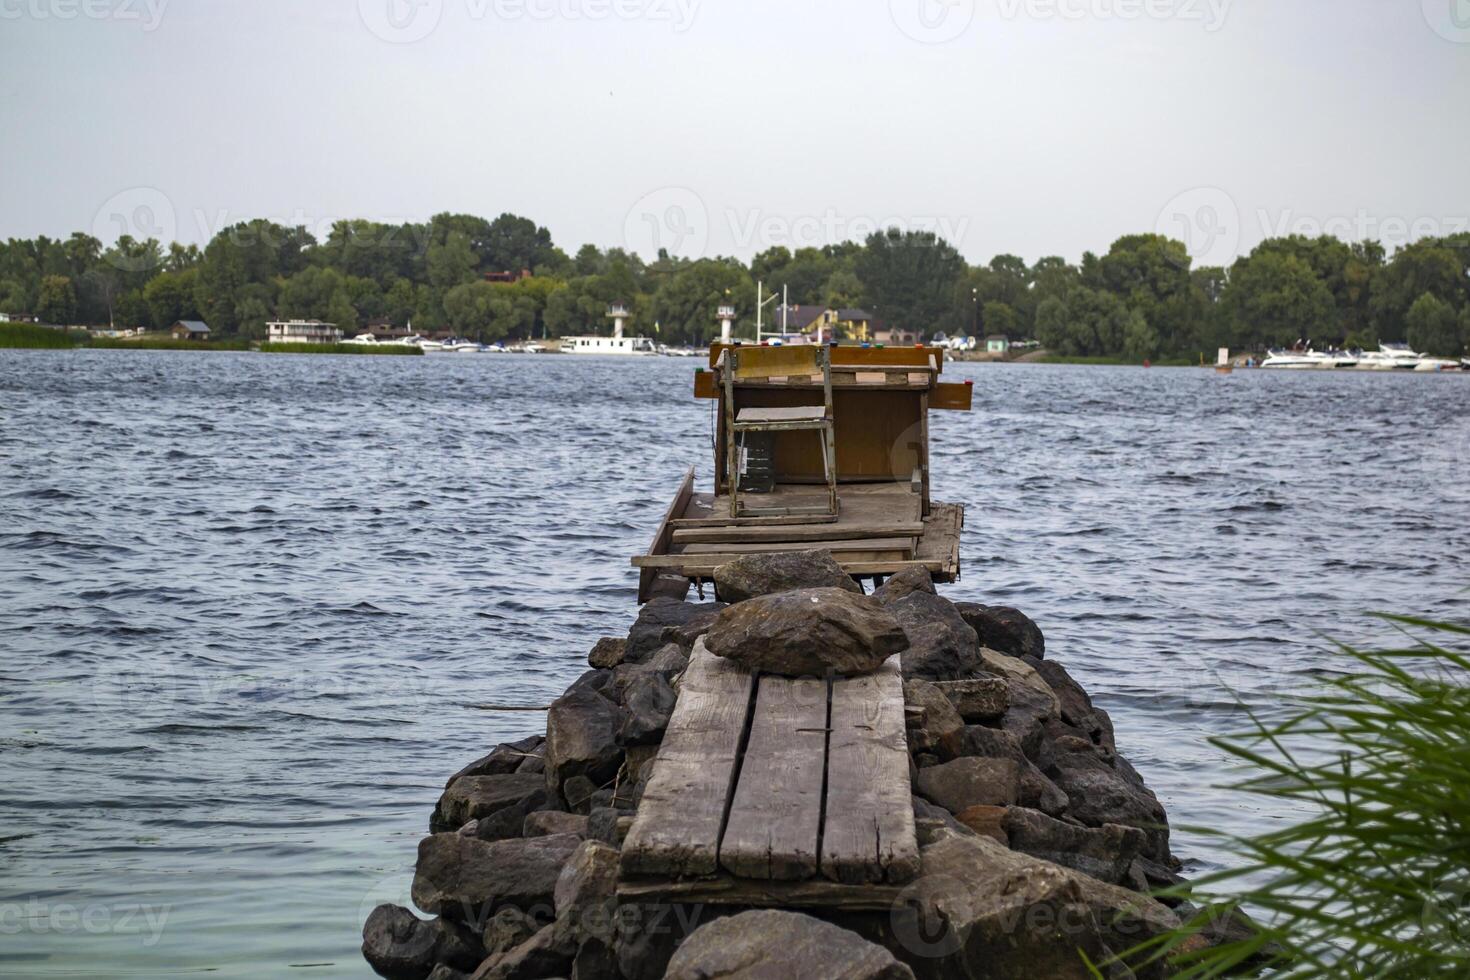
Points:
x=815 y=447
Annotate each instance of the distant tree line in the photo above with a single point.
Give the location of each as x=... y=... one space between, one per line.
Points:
x=1141 y=299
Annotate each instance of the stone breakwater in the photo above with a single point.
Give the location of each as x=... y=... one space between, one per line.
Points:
x=1039 y=843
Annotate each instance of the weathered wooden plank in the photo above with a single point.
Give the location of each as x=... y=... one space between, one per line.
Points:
x=696 y=566
x=776 y=812
x=728 y=890
x=868 y=835
x=885 y=562
x=836 y=547
x=662 y=537
x=796 y=532
x=727 y=521
x=677 y=829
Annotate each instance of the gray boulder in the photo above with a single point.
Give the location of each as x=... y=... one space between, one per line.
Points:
x=608 y=825
x=507 y=929
x=1106 y=853
x=548 y=953
x=586 y=892
x=543 y=823
x=649 y=702
x=934 y=726
x=665 y=620
x=905 y=583
x=1077 y=709
x=981 y=910
x=504 y=758
x=1099 y=796
x=807 y=632
x=978 y=698
x=941 y=647
x=1005 y=629
x=781 y=571
x=400 y=946
x=772 y=943
x=478 y=797
x=468 y=880
x=607 y=652
x=581 y=739
x=968 y=782
x=1034 y=789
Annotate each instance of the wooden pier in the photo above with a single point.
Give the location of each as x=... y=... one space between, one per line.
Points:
x=878 y=402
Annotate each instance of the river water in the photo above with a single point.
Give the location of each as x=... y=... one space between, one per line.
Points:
x=250 y=605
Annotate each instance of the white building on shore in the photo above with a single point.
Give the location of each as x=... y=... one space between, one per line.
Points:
x=303 y=332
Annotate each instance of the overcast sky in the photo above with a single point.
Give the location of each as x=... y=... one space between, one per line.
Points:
x=725 y=126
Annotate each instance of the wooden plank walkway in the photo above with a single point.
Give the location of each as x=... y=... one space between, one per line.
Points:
x=870 y=816
x=799 y=790
x=685 y=797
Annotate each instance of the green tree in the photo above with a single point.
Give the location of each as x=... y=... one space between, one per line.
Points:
x=170 y=297
x=1275 y=299
x=1433 y=328
x=1423 y=267
x=57 y=300
x=910 y=277
x=684 y=305
x=453 y=262
x=999 y=318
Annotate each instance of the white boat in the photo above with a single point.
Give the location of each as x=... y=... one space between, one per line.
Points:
x=431 y=346
x=456 y=346
x=1427 y=363
x=1389 y=357
x=624 y=346
x=363 y=338
x=1285 y=360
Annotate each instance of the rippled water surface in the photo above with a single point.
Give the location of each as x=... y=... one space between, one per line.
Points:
x=252 y=606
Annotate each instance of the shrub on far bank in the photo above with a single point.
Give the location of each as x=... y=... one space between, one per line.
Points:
x=167 y=343
x=34 y=336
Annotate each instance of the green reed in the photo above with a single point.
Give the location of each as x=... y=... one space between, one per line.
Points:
x=1376 y=881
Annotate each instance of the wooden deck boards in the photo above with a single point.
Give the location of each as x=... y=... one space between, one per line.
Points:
x=682 y=812
x=880 y=531
x=814 y=803
x=776 y=812
x=869 y=833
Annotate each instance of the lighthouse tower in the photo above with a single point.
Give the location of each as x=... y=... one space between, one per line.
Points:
x=726 y=316
x=619 y=313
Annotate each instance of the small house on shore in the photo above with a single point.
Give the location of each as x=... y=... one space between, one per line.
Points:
x=189 y=330
x=997 y=344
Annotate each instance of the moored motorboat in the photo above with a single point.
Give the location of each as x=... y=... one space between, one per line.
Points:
x=1389 y=357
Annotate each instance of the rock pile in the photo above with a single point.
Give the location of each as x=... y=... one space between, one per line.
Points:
x=1037 y=839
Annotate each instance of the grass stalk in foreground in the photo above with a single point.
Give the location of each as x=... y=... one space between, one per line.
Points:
x=1377 y=882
